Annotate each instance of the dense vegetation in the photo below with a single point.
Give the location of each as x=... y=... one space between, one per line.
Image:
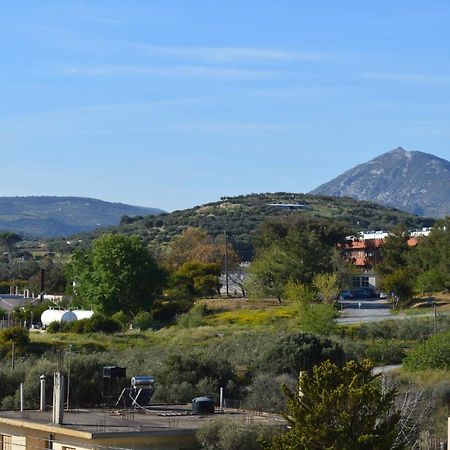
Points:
x=159 y=319
x=241 y=216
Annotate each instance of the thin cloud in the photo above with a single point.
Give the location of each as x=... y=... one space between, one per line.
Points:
x=171 y=71
x=408 y=77
x=201 y=127
x=230 y=54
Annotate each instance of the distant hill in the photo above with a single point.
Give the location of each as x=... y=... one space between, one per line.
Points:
x=62 y=216
x=412 y=181
x=241 y=216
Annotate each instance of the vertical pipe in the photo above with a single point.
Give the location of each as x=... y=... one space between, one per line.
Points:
x=68 y=376
x=21 y=397
x=58 y=399
x=42 y=402
x=13 y=356
x=221 y=398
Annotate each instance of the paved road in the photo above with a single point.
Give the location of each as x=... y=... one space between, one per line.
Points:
x=372 y=310
x=364 y=310
x=367 y=310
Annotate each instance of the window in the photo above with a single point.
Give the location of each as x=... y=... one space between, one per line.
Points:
x=68 y=448
x=356 y=282
x=5 y=442
x=364 y=281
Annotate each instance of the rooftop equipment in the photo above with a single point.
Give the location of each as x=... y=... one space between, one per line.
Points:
x=113 y=383
x=139 y=394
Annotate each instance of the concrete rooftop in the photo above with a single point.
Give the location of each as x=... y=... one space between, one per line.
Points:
x=164 y=419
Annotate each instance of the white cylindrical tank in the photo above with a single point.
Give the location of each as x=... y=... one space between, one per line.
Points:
x=57 y=315
x=83 y=313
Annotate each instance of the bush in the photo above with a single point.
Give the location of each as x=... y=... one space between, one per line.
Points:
x=143 y=320
x=183 y=376
x=167 y=311
x=99 y=323
x=193 y=318
x=54 y=327
x=410 y=329
x=434 y=353
x=384 y=352
x=232 y=434
x=296 y=352
x=77 y=326
x=122 y=318
x=319 y=318
x=20 y=336
x=265 y=393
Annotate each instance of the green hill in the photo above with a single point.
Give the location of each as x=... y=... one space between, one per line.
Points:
x=62 y=216
x=241 y=216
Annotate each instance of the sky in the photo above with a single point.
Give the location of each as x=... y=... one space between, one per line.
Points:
x=175 y=103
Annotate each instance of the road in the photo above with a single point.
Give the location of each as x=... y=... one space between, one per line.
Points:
x=368 y=310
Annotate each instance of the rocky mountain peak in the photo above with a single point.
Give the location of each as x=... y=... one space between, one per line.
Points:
x=414 y=181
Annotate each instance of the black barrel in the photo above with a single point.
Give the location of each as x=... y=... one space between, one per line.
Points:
x=203 y=405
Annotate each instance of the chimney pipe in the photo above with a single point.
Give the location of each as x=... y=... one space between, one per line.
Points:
x=58 y=399
x=42 y=403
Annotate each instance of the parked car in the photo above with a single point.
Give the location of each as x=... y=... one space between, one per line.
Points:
x=383 y=295
x=345 y=295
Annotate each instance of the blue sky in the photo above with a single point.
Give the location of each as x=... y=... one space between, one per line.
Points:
x=176 y=103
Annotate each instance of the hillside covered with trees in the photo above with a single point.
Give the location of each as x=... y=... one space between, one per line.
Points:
x=241 y=216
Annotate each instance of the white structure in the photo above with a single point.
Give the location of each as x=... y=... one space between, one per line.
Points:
x=57 y=315
x=83 y=313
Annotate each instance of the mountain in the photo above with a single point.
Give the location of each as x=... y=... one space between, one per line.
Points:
x=241 y=216
x=62 y=216
x=412 y=181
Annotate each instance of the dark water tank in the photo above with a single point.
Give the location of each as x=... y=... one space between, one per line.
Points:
x=114 y=372
x=203 y=405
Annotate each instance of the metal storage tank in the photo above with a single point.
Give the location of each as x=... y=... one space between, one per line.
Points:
x=57 y=315
x=203 y=405
x=83 y=313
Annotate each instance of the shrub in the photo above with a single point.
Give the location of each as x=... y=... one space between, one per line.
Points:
x=99 y=323
x=143 y=320
x=410 y=329
x=319 y=318
x=184 y=376
x=20 y=336
x=122 y=318
x=193 y=318
x=54 y=327
x=165 y=312
x=385 y=352
x=77 y=326
x=232 y=434
x=265 y=393
x=434 y=353
x=296 y=352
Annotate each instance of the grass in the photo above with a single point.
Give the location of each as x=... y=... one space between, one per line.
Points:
x=226 y=319
x=253 y=317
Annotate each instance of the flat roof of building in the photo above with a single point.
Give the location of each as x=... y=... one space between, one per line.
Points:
x=156 y=419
